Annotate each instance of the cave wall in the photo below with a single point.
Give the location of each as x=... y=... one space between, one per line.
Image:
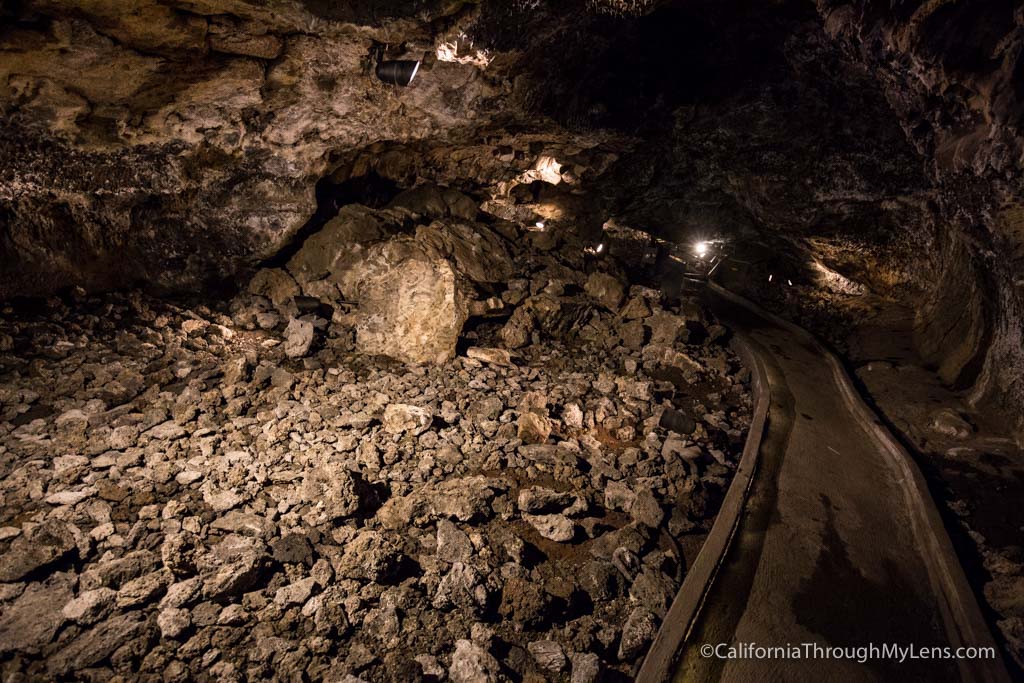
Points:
x=952 y=325
x=167 y=142
x=891 y=131
x=953 y=73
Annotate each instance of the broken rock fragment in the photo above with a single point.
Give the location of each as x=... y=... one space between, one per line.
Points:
x=334 y=489
x=466 y=500
x=666 y=328
x=453 y=545
x=400 y=418
x=540 y=500
x=645 y=510
x=275 y=284
x=586 y=668
x=369 y=556
x=41 y=547
x=90 y=605
x=96 y=644
x=950 y=423
x=296 y=593
x=492 y=356
x=174 y=621
x=461 y=587
x=548 y=654
x=299 y=337
x=637 y=633
x=534 y=428
x=233 y=566
x=555 y=527
x=472 y=664
x=606 y=289
x=32 y=619
x=668 y=357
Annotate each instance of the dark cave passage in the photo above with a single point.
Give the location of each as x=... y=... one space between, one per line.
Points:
x=369 y=190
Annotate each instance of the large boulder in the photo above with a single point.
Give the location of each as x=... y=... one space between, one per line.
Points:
x=431 y=201
x=410 y=306
x=342 y=241
x=414 y=292
x=424 y=200
x=476 y=252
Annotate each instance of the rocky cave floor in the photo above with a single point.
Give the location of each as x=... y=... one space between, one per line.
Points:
x=235 y=491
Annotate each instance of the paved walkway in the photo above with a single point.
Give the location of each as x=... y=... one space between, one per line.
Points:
x=833 y=547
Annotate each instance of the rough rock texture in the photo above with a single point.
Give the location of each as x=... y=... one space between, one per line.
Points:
x=880 y=145
x=230 y=146
x=410 y=308
x=953 y=73
x=220 y=119
x=182 y=497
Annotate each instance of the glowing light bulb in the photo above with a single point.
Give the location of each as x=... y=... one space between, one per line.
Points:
x=540 y=225
x=600 y=248
x=701 y=249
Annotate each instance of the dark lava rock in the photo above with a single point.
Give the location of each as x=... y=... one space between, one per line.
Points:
x=524 y=602
x=294 y=549
x=44 y=545
x=677 y=421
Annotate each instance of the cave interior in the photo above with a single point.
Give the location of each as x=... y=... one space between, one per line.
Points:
x=308 y=374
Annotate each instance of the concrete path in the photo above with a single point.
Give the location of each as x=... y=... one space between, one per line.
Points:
x=837 y=544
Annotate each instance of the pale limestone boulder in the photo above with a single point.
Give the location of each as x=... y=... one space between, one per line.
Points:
x=410 y=306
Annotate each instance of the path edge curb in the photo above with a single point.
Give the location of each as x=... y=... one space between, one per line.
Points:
x=964 y=624
x=689 y=600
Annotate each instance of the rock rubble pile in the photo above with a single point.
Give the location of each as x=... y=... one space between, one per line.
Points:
x=424 y=449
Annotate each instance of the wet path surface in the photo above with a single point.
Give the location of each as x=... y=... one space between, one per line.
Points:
x=826 y=552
